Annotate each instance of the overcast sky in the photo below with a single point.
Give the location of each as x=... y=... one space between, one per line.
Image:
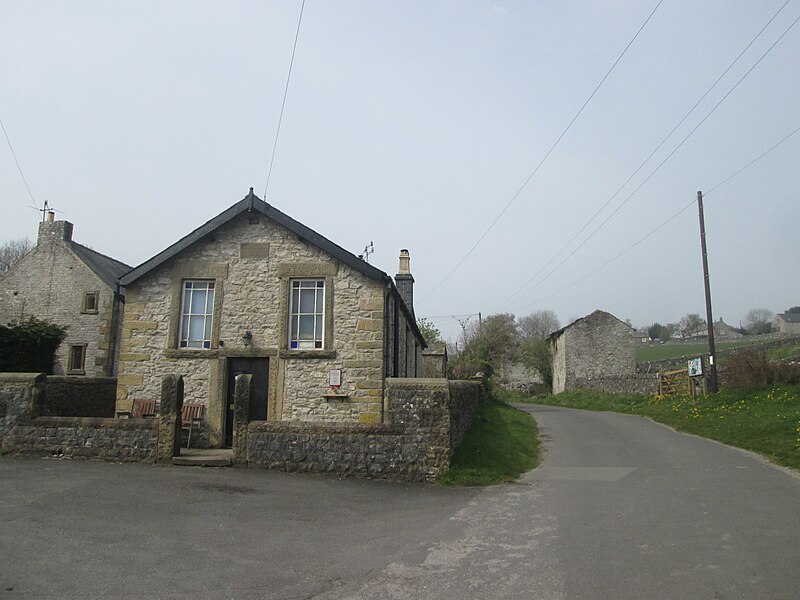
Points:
x=413 y=125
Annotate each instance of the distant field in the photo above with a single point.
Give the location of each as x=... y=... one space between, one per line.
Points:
x=665 y=351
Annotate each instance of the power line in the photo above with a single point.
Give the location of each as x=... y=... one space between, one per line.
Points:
x=661 y=164
x=665 y=223
x=546 y=156
x=283 y=104
x=14 y=154
x=646 y=160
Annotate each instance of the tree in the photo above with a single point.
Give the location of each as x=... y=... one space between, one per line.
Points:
x=486 y=346
x=12 y=251
x=428 y=330
x=690 y=324
x=536 y=354
x=655 y=331
x=794 y=310
x=759 y=320
x=538 y=325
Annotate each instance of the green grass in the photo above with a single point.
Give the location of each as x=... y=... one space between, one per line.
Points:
x=501 y=444
x=665 y=351
x=785 y=352
x=764 y=421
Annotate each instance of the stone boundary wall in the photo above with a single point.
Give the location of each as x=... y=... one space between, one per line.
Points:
x=645 y=384
x=79 y=397
x=425 y=421
x=25 y=430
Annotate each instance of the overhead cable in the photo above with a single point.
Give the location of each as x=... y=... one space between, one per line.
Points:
x=542 y=161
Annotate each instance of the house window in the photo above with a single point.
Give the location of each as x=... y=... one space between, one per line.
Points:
x=76 y=361
x=307 y=314
x=90 y=302
x=197 y=311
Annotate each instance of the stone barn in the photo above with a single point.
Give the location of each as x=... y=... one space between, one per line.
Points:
x=598 y=347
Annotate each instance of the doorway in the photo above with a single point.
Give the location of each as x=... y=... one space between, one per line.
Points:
x=259 y=369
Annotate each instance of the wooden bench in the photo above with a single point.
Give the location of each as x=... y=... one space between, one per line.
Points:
x=140 y=409
x=191 y=419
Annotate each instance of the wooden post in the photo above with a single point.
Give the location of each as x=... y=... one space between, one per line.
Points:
x=712 y=353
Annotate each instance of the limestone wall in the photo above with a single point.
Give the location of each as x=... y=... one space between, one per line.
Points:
x=426 y=421
x=79 y=397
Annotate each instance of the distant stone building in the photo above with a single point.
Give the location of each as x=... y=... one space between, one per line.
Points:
x=596 y=347
x=788 y=322
x=63 y=282
x=254 y=291
x=640 y=337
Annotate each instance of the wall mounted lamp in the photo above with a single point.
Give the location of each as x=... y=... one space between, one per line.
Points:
x=247 y=338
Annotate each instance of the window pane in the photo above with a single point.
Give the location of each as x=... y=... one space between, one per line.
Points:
x=307 y=327
x=210 y=303
x=207 y=333
x=185 y=328
x=306 y=301
x=198 y=302
x=295 y=300
x=187 y=295
x=320 y=299
x=293 y=322
x=196 y=328
x=318 y=327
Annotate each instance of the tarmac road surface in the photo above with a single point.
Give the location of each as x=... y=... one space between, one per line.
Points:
x=620 y=508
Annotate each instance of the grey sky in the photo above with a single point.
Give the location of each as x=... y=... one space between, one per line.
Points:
x=412 y=124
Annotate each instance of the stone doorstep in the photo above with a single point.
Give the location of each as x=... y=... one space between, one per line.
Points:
x=211 y=457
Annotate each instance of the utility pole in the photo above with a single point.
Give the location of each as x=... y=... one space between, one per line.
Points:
x=712 y=352
x=480 y=320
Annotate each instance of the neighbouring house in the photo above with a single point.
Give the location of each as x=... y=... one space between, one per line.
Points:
x=254 y=291
x=788 y=322
x=63 y=282
x=721 y=331
x=593 y=348
x=641 y=337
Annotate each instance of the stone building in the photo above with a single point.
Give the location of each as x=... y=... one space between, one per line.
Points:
x=787 y=322
x=65 y=283
x=596 y=347
x=254 y=291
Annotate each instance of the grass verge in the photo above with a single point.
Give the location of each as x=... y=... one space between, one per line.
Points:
x=501 y=444
x=765 y=421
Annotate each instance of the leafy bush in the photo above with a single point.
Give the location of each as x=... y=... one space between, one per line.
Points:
x=750 y=368
x=29 y=346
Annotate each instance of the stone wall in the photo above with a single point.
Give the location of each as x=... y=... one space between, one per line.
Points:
x=632 y=384
x=125 y=440
x=23 y=429
x=426 y=420
x=79 y=397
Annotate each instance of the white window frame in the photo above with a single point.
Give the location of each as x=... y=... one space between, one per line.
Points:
x=192 y=314
x=315 y=314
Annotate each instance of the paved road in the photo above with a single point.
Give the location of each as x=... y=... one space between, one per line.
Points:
x=621 y=508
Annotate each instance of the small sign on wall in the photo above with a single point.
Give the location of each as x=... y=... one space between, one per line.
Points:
x=335 y=378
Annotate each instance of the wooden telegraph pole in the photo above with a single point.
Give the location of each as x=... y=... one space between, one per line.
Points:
x=712 y=352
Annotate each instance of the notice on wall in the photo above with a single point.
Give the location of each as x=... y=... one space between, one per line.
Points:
x=696 y=367
x=335 y=378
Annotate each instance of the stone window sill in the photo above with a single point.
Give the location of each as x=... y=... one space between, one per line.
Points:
x=308 y=354
x=185 y=353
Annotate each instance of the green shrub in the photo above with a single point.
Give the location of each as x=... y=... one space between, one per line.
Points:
x=29 y=346
x=750 y=368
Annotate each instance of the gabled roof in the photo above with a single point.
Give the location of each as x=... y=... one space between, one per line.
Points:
x=598 y=312
x=790 y=317
x=106 y=268
x=253 y=204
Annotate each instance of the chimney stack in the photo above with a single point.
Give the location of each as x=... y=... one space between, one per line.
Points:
x=51 y=231
x=404 y=280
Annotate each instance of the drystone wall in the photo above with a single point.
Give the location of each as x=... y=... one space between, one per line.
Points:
x=426 y=420
x=79 y=397
x=24 y=398
x=645 y=384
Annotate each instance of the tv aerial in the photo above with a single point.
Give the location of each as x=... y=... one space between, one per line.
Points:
x=46 y=209
x=368 y=249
